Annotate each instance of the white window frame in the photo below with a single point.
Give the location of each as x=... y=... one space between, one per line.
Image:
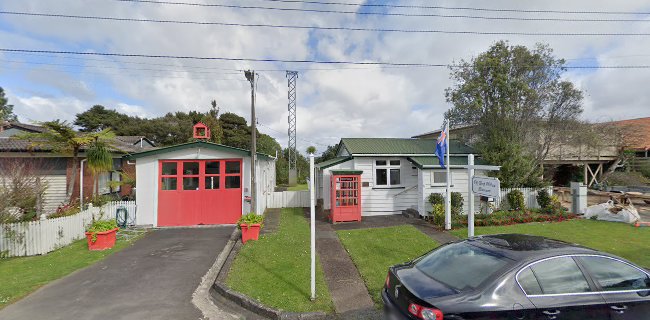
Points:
x=387 y=167
x=432 y=179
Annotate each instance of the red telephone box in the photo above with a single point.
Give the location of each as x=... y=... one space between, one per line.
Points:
x=345 y=196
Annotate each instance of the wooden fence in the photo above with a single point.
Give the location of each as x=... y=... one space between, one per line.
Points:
x=46 y=235
x=289 y=199
x=530 y=197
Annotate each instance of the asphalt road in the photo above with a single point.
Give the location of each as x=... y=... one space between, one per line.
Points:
x=153 y=279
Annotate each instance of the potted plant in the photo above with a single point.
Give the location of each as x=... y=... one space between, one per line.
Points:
x=250 y=225
x=101 y=234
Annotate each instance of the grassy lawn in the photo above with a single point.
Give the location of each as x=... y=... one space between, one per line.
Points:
x=299 y=187
x=617 y=238
x=374 y=250
x=21 y=276
x=275 y=269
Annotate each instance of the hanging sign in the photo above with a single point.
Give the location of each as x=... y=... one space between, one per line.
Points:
x=486 y=186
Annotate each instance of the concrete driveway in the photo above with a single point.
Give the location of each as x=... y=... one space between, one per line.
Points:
x=153 y=279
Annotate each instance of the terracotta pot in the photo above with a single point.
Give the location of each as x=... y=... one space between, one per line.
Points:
x=105 y=240
x=251 y=232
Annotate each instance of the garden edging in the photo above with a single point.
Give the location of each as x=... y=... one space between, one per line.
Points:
x=220 y=288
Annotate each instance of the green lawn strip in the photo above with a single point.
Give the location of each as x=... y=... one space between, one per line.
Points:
x=275 y=270
x=23 y=275
x=620 y=239
x=374 y=250
x=299 y=187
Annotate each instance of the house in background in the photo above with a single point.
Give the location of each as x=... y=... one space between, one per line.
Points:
x=56 y=169
x=199 y=183
x=636 y=139
x=395 y=174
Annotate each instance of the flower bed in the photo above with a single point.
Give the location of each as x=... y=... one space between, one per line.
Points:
x=505 y=218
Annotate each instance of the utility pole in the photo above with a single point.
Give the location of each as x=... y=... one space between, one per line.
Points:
x=250 y=76
x=293 y=152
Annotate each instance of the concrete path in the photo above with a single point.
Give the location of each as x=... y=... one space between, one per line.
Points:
x=346 y=287
x=153 y=279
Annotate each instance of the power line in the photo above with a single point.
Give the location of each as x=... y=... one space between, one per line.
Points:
x=385 y=5
x=330 y=62
x=229 y=24
x=304 y=140
x=429 y=15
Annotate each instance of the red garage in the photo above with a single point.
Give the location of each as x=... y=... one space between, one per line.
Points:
x=199 y=183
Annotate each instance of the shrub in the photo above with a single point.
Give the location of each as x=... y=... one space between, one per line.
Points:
x=543 y=198
x=251 y=218
x=437 y=198
x=516 y=200
x=438 y=214
x=66 y=210
x=456 y=203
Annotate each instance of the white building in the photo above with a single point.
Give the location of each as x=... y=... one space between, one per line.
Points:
x=199 y=183
x=396 y=174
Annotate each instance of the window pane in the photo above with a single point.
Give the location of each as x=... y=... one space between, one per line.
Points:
x=394 y=177
x=528 y=282
x=439 y=177
x=380 y=162
x=169 y=168
x=233 y=182
x=560 y=275
x=190 y=183
x=232 y=167
x=614 y=275
x=381 y=177
x=168 y=183
x=453 y=264
x=211 y=183
x=394 y=162
x=212 y=167
x=190 y=168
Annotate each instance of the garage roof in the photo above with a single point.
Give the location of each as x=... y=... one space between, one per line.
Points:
x=196 y=144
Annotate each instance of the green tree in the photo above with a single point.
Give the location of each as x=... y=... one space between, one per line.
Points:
x=236 y=132
x=311 y=150
x=329 y=153
x=268 y=145
x=63 y=139
x=6 y=109
x=519 y=104
x=99 y=118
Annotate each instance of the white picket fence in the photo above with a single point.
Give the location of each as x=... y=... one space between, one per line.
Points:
x=530 y=197
x=289 y=199
x=46 y=235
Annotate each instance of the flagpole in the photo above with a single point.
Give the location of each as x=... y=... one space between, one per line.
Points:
x=448 y=195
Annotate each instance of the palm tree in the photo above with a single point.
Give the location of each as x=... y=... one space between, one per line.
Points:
x=61 y=137
x=99 y=160
x=311 y=150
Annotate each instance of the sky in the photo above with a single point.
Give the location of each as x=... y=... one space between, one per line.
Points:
x=334 y=101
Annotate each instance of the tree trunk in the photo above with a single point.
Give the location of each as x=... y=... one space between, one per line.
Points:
x=73 y=175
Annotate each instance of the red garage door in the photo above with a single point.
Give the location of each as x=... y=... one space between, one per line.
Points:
x=196 y=192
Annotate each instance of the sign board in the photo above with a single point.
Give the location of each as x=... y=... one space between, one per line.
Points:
x=486 y=186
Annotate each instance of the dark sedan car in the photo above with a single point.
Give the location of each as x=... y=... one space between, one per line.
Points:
x=512 y=276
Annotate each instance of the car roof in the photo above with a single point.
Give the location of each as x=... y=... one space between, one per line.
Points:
x=523 y=247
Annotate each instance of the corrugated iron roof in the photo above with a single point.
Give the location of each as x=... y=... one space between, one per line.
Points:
x=369 y=146
x=332 y=162
x=433 y=161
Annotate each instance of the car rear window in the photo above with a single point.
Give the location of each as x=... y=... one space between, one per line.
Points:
x=461 y=266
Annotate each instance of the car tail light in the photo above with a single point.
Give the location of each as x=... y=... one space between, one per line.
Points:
x=424 y=312
x=388 y=280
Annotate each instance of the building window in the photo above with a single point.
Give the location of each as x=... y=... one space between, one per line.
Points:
x=439 y=178
x=387 y=173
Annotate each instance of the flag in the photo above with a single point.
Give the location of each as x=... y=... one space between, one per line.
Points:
x=441 y=147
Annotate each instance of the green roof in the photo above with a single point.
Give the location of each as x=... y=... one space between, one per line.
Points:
x=422 y=162
x=369 y=146
x=196 y=144
x=332 y=162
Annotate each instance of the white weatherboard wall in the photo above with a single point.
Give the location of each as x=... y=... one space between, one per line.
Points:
x=459 y=182
x=147 y=170
x=54 y=195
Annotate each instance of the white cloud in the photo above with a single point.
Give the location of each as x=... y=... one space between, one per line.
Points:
x=367 y=101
